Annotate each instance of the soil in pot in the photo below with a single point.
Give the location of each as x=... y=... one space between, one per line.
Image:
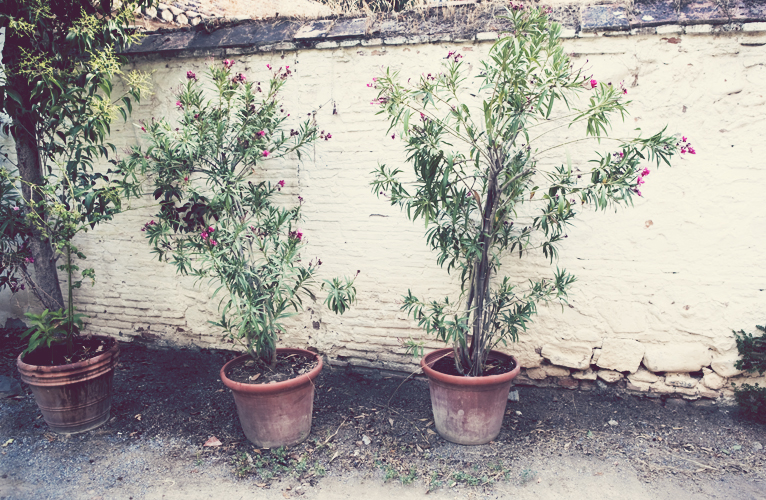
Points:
x=288 y=366
x=446 y=365
x=56 y=355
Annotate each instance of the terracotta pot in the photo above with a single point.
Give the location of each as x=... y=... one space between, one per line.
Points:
x=468 y=410
x=279 y=414
x=76 y=397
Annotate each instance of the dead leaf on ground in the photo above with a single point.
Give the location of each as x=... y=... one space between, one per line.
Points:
x=212 y=441
x=429 y=431
x=255 y=377
x=138 y=417
x=7 y=442
x=391 y=421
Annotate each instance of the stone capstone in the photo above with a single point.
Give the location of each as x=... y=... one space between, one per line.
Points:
x=150 y=11
x=166 y=15
x=622 y=355
x=609 y=376
x=182 y=19
x=575 y=356
x=596 y=355
x=676 y=357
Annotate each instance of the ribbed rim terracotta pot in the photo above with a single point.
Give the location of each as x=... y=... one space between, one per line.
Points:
x=468 y=410
x=76 y=397
x=279 y=414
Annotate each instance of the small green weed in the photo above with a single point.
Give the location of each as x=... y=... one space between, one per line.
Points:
x=410 y=477
x=527 y=475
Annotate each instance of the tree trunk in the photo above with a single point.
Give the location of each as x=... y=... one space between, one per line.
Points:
x=47 y=288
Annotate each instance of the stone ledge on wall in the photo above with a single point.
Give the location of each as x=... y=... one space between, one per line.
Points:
x=470 y=22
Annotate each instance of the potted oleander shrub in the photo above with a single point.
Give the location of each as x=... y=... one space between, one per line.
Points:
x=60 y=59
x=486 y=197
x=221 y=221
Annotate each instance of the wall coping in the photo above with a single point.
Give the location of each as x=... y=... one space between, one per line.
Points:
x=457 y=22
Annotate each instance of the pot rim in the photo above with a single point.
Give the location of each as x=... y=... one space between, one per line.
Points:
x=111 y=352
x=431 y=358
x=285 y=385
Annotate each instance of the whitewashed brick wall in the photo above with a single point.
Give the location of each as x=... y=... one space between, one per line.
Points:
x=678 y=271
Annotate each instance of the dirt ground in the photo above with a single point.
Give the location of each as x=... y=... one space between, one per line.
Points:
x=372 y=437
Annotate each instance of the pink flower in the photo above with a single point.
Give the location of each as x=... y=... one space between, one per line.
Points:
x=191 y=76
x=637 y=191
x=683 y=150
x=213 y=242
x=265 y=153
x=268 y=66
x=281 y=183
x=369 y=85
x=624 y=91
x=393 y=136
x=143 y=129
x=375 y=79
x=296 y=235
x=210 y=229
x=240 y=78
x=328 y=136
x=593 y=84
x=262 y=133
x=683 y=138
x=178 y=103
x=640 y=181
x=29 y=260
x=204 y=235
x=186 y=178
x=691 y=150
x=228 y=63
x=645 y=172
x=15 y=209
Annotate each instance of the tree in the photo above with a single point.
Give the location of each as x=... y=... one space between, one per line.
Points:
x=60 y=58
x=479 y=184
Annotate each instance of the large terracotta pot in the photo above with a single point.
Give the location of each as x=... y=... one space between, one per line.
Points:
x=468 y=410
x=76 y=397
x=279 y=414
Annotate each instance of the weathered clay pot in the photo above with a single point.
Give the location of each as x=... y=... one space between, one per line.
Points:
x=279 y=414
x=468 y=410
x=76 y=397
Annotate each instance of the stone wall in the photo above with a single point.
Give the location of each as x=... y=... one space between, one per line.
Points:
x=660 y=286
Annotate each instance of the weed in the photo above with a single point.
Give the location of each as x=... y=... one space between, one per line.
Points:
x=527 y=475
x=391 y=473
x=435 y=483
x=319 y=470
x=469 y=479
x=410 y=477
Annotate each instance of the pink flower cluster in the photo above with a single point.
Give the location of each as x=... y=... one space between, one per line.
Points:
x=516 y=6
x=640 y=180
x=29 y=260
x=228 y=63
x=593 y=83
x=324 y=136
x=207 y=234
x=280 y=185
x=452 y=55
x=179 y=104
x=295 y=235
x=150 y=223
x=240 y=78
x=686 y=146
x=261 y=133
x=191 y=76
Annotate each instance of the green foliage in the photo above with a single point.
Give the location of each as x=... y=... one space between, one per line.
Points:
x=752 y=351
x=60 y=59
x=480 y=186
x=216 y=221
x=751 y=400
x=50 y=327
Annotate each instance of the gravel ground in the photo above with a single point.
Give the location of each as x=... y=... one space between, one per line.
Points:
x=372 y=435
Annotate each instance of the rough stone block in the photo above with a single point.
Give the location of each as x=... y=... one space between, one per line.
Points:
x=708 y=393
x=676 y=357
x=535 y=373
x=166 y=15
x=723 y=364
x=642 y=375
x=182 y=19
x=713 y=381
x=638 y=386
x=175 y=10
x=585 y=375
x=150 y=11
x=609 y=376
x=681 y=380
x=575 y=356
x=702 y=12
x=555 y=371
x=622 y=355
x=526 y=355
x=596 y=355
x=568 y=382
